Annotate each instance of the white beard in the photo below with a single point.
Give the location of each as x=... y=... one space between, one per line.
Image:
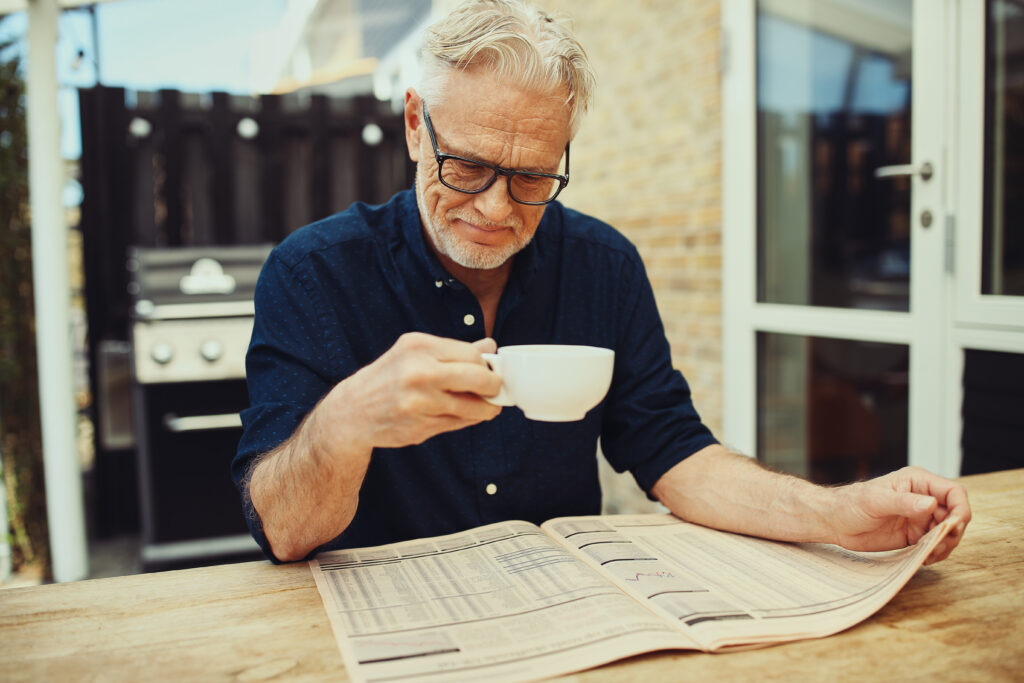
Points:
x=465 y=253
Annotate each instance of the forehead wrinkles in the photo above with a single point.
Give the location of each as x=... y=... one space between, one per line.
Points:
x=523 y=143
x=521 y=131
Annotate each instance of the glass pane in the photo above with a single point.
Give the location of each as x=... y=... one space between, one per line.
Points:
x=833 y=105
x=992 y=408
x=1003 y=245
x=831 y=410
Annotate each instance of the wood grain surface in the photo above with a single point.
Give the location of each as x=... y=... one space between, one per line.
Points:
x=959 y=620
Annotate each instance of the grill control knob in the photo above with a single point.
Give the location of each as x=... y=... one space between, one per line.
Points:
x=211 y=350
x=162 y=353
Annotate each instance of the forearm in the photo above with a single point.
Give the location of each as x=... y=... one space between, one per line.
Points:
x=306 y=490
x=722 y=490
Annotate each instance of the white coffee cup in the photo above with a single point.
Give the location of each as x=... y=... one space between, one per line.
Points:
x=552 y=382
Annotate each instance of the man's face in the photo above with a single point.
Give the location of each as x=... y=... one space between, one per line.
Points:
x=488 y=120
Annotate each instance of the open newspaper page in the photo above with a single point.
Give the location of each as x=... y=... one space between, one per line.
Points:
x=499 y=603
x=728 y=590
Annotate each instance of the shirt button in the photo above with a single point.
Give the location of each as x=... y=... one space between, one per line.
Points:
x=491 y=489
x=439 y=284
x=469 y=319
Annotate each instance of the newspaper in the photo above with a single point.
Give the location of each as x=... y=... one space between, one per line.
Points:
x=513 y=601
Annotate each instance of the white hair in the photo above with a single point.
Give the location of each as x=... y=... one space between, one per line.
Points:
x=516 y=42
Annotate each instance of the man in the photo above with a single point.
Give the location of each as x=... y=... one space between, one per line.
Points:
x=368 y=423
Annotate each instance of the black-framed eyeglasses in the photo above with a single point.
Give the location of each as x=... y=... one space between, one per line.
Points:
x=473 y=177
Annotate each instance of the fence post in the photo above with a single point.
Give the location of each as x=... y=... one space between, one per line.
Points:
x=222 y=147
x=272 y=167
x=368 y=174
x=320 y=151
x=169 y=126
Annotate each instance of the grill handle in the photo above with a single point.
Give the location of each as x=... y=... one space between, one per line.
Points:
x=201 y=423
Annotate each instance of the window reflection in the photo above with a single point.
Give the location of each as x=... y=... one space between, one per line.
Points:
x=831 y=410
x=1003 y=237
x=833 y=91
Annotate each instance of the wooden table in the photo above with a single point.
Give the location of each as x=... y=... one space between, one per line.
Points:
x=962 y=619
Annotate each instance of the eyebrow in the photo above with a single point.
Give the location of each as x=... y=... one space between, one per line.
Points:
x=454 y=151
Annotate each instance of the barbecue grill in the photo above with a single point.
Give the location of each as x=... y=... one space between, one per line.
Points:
x=191 y=320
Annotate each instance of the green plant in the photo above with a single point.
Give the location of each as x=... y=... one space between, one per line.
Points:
x=20 y=431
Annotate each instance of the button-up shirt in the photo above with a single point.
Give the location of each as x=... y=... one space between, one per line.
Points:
x=337 y=294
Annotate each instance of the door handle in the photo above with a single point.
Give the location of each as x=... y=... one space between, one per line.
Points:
x=896 y=170
x=200 y=423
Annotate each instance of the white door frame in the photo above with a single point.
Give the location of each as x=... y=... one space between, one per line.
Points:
x=976 y=321
x=925 y=328
x=974 y=310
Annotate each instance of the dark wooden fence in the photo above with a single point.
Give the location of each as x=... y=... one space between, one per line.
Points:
x=175 y=169
x=172 y=169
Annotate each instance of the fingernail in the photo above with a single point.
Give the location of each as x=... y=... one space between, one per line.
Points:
x=922 y=504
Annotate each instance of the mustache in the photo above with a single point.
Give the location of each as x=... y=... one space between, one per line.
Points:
x=514 y=222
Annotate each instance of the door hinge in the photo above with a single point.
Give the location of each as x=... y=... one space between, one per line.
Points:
x=723 y=52
x=950 y=243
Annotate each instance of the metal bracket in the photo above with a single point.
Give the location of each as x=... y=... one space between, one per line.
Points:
x=950 y=243
x=723 y=52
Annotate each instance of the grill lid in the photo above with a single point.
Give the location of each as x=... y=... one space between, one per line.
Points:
x=193 y=311
x=163 y=279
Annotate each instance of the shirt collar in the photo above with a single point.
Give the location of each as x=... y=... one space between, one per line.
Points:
x=412 y=235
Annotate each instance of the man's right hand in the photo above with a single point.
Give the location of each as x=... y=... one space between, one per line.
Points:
x=422 y=386
x=307 y=489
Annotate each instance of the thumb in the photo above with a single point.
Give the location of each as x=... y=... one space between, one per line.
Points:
x=903 y=504
x=917 y=505
x=486 y=345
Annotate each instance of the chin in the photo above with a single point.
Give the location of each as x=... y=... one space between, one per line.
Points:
x=478 y=258
x=465 y=253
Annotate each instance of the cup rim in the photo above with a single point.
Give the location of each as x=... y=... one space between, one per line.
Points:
x=557 y=349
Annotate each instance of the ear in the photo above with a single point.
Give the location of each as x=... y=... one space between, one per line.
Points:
x=413 y=123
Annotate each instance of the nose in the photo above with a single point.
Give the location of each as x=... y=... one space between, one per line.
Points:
x=494 y=204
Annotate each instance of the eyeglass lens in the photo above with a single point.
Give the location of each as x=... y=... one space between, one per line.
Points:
x=471 y=177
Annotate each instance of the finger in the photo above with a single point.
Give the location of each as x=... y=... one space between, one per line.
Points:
x=465 y=410
x=956 y=532
x=939 y=553
x=957 y=503
x=951 y=495
x=910 y=505
x=919 y=505
x=890 y=506
x=468 y=378
x=441 y=348
x=463 y=405
x=949 y=543
x=486 y=345
x=942 y=550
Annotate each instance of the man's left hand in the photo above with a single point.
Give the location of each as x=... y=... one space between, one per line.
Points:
x=899 y=508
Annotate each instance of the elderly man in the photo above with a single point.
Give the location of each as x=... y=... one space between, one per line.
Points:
x=368 y=422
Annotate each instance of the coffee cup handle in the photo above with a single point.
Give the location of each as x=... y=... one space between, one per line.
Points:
x=493 y=361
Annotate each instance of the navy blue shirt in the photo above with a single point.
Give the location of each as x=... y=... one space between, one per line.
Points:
x=335 y=295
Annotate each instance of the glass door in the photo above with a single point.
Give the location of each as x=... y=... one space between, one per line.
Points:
x=990 y=266
x=986 y=368
x=835 y=288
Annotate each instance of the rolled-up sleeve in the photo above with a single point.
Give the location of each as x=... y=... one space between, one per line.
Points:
x=288 y=370
x=650 y=422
